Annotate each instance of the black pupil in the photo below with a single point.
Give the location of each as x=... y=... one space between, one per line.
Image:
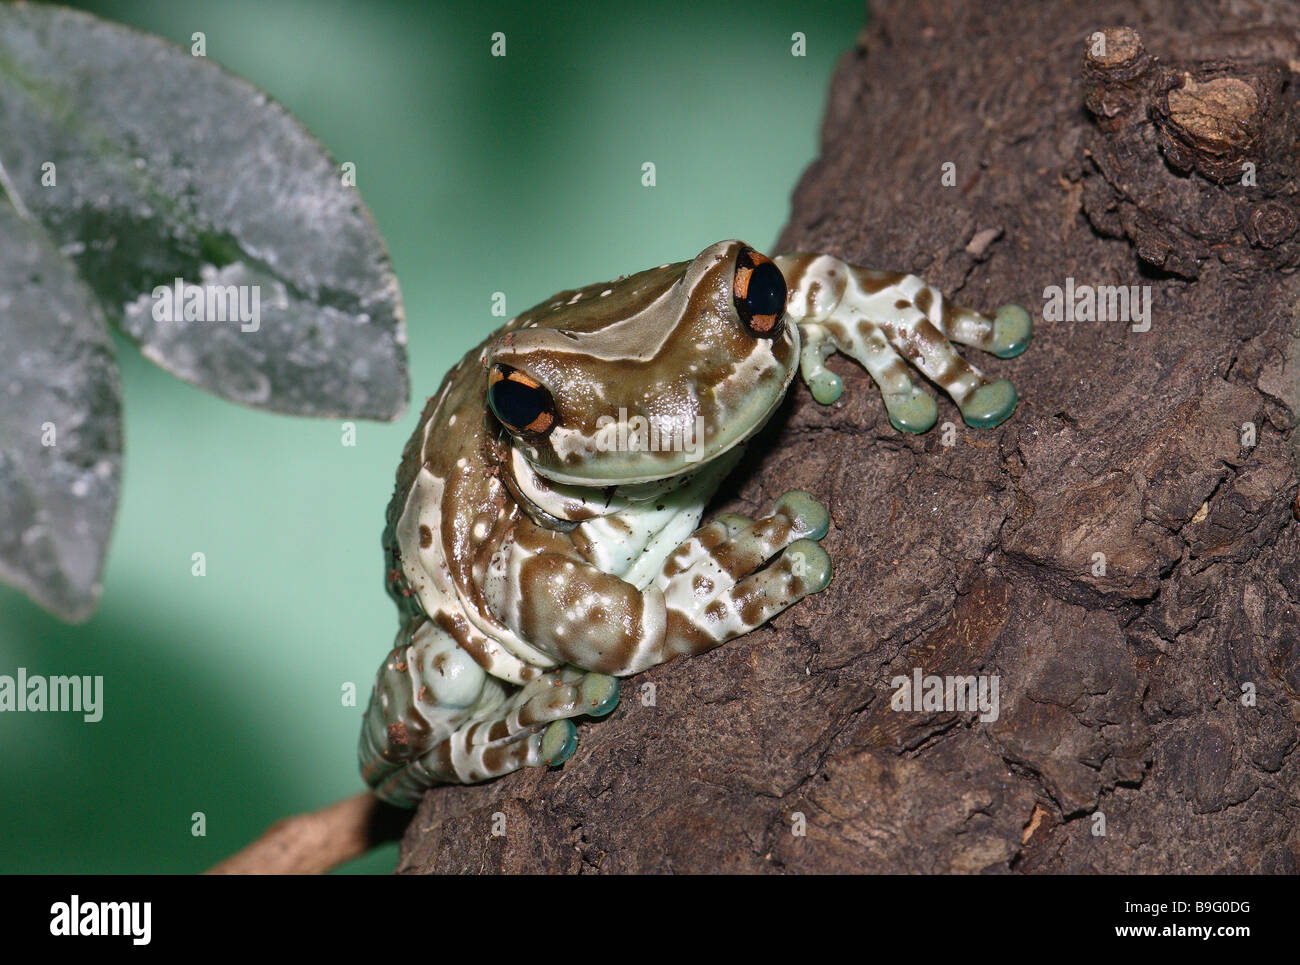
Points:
x=766 y=292
x=516 y=404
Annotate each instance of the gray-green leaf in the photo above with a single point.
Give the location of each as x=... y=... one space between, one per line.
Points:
x=146 y=165
x=60 y=424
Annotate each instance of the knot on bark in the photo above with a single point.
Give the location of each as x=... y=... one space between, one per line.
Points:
x=1115 y=68
x=1217 y=136
x=1270 y=225
x=1212 y=119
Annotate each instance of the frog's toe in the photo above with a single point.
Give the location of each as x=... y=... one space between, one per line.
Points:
x=1012 y=329
x=914 y=411
x=825 y=386
x=808 y=517
x=802 y=569
x=990 y=405
x=599 y=694
x=810 y=565
x=559 y=741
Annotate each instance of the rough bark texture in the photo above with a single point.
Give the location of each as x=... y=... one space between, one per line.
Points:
x=1121 y=692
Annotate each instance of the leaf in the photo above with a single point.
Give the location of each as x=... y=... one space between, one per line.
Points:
x=167 y=167
x=129 y=167
x=60 y=425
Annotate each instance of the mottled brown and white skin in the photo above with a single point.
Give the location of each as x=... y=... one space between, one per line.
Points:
x=544 y=538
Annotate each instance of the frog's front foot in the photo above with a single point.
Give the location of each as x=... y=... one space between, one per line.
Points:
x=891 y=323
x=716 y=584
x=882 y=346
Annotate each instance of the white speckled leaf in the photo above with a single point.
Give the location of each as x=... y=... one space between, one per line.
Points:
x=166 y=167
x=58 y=384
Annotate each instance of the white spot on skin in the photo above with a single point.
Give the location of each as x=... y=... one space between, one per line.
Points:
x=452 y=420
x=607 y=291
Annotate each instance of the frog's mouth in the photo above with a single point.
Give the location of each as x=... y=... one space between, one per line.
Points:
x=562 y=505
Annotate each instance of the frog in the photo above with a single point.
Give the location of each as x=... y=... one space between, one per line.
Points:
x=544 y=538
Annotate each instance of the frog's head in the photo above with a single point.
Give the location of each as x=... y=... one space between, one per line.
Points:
x=649 y=376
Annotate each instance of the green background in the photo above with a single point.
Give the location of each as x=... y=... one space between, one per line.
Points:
x=223 y=694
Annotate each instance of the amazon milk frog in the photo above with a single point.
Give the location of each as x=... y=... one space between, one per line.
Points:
x=544 y=539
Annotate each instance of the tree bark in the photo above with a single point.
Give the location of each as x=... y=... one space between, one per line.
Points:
x=1121 y=554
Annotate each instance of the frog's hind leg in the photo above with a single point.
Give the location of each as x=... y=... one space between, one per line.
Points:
x=427 y=688
x=533 y=728
x=493 y=734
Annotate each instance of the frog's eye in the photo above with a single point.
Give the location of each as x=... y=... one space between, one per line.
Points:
x=759 y=293
x=522 y=404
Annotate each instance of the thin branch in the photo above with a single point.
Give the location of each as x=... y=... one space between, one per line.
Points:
x=318 y=841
